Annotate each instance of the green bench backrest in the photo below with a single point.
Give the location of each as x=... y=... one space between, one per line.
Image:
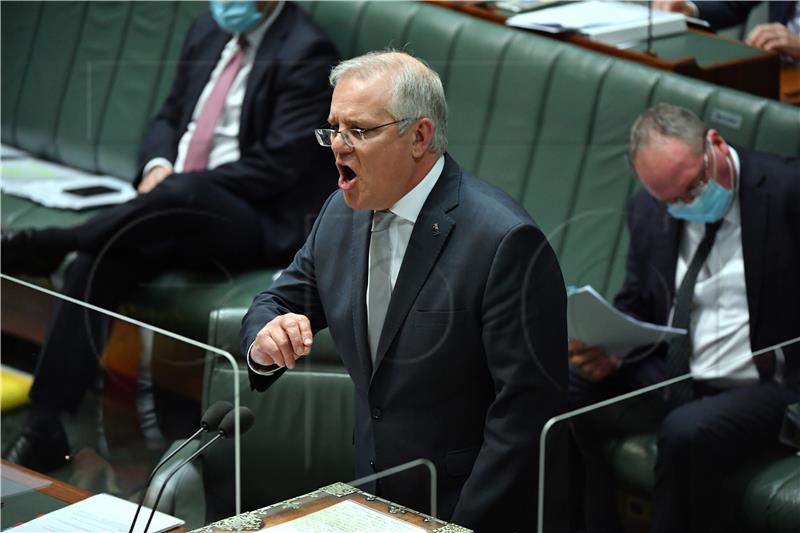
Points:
x=82 y=79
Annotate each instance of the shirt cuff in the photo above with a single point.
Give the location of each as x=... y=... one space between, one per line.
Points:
x=261 y=370
x=693 y=11
x=156 y=162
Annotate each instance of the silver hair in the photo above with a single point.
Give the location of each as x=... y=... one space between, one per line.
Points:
x=416 y=89
x=670 y=121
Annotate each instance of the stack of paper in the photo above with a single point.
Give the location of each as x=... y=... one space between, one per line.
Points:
x=101 y=513
x=58 y=186
x=595 y=322
x=609 y=22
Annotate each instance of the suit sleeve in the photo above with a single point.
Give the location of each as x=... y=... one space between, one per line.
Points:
x=525 y=340
x=295 y=291
x=723 y=15
x=633 y=298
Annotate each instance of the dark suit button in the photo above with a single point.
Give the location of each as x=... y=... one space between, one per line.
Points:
x=376 y=413
x=372 y=465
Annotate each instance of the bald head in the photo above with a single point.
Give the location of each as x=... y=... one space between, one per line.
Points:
x=416 y=90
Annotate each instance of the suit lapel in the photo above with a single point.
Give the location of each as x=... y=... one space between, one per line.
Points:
x=268 y=50
x=206 y=61
x=666 y=243
x=754 y=208
x=427 y=240
x=362 y=224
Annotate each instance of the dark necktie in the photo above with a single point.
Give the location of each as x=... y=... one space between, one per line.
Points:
x=679 y=350
x=380 y=278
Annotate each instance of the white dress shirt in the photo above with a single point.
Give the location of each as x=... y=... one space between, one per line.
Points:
x=225 y=141
x=720 y=326
x=406 y=210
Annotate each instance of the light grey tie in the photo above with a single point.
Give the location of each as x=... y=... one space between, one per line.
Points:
x=380 y=280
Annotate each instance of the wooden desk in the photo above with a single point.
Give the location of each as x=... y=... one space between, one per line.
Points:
x=44 y=494
x=790 y=85
x=696 y=54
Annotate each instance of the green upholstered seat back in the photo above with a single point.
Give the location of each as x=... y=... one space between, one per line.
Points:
x=82 y=79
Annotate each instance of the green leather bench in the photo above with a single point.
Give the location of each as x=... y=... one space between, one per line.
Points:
x=545 y=121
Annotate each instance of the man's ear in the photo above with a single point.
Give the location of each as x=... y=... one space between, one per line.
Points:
x=717 y=141
x=423 y=136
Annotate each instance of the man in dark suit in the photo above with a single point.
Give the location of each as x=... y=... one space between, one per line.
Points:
x=231 y=179
x=781 y=34
x=442 y=295
x=701 y=193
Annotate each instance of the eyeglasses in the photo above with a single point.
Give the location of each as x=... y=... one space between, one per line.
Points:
x=351 y=137
x=699 y=185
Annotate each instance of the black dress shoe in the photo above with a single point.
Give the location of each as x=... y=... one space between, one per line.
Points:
x=39 y=451
x=32 y=252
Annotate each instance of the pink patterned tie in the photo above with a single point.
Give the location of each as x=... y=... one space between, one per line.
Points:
x=200 y=144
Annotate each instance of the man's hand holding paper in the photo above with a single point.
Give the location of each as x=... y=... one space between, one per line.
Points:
x=593 y=363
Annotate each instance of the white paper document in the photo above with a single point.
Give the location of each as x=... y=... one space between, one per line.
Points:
x=61 y=187
x=595 y=322
x=346 y=517
x=8 y=153
x=608 y=22
x=101 y=513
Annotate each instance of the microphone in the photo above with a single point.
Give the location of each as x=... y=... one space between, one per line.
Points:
x=649 y=50
x=227 y=428
x=210 y=422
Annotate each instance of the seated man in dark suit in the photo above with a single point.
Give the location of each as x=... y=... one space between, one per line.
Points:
x=231 y=180
x=780 y=35
x=442 y=296
x=713 y=249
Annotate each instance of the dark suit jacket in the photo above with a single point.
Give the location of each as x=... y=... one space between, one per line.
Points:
x=769 y=196
x=472 y=358
x=724 y=14
x=283 y=173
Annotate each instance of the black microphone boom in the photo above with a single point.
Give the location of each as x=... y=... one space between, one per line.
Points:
x=649 y=50
x=211 y=420
x=226 y=428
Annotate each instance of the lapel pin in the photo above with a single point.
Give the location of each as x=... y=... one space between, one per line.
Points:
x=435 y=229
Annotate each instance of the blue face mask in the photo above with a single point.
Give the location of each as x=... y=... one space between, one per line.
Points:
x=710 y=205
x=235 y=17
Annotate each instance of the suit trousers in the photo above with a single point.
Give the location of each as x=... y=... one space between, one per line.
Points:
x=184 y=223
x=699 y=443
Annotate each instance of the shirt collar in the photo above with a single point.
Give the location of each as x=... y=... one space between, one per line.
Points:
x=254 y=36
x=409 y=206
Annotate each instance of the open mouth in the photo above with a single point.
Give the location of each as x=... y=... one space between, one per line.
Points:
x=346 y=175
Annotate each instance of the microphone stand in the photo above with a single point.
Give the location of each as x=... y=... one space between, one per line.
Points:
x=153 y=473
x=649 y=50
x=186 y=461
